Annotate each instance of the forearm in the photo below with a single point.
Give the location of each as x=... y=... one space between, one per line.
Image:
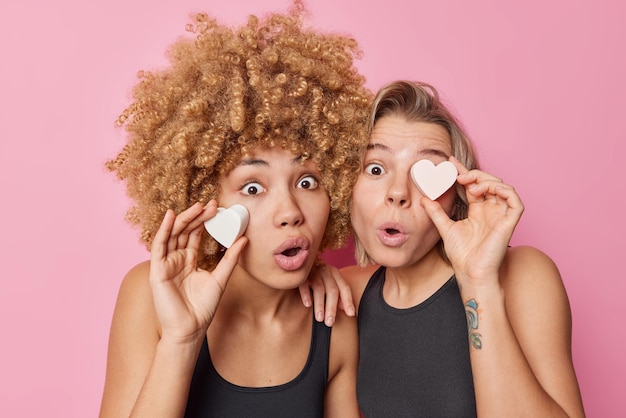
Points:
x=166 y=388
x=505 y=384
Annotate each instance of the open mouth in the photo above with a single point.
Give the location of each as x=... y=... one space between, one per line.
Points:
x=291 y=252
x=392 y=234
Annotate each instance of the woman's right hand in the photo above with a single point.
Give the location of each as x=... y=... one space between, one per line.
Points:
x=185 y=296
x=477 y=244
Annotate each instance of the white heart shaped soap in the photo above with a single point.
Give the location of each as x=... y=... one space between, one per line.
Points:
x=433 y=180
x=228 y=224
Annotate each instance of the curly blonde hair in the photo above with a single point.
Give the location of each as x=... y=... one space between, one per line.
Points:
x=268 y=83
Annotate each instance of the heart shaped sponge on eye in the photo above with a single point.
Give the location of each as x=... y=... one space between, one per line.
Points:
x=228 y=224
x=433 y=180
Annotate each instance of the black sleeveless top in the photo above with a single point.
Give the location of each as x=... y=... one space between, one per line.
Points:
x=212 y=396
x=414 y=362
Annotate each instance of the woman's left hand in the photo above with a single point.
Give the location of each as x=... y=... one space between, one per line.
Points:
x=476 y=245
x=330 y=292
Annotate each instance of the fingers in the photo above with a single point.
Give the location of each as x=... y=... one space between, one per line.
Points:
x=193 y=232
x=478 y=184
x=180 y=231
x=331 y=300
x=183 y=220
x=330 y=292
x=345 y=293
x=162 y=266
x=176 y=232
x=481 y=186
x=468 y=176
x=459 y=167
x=305 y=293
x=187 y=230
x=227 y=264
x=507 y=195
x=436 y=213
x=497 y=193
x=158 y=249
x=319 y=293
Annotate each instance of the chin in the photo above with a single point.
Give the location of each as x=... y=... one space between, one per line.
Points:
x=392 y=259
x=288 y=280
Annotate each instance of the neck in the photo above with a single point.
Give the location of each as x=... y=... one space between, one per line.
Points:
x=249 y=297
x=410 y=285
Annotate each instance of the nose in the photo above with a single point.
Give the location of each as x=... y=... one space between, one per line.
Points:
x=398 y=193
x=288 y=213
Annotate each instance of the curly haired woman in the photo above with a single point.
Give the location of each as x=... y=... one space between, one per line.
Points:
x=270 y=116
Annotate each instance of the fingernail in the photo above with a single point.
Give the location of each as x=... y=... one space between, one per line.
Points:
x=319 y=316
x=330 y=321
x=350 y=311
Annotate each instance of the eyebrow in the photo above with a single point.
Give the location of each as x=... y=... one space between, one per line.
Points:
x=435 y=152
x=426 y=151
x=252 y=161
x=379 y=147
x=260 y=162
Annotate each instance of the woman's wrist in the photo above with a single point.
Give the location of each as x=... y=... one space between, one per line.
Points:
x=179 y=352
x=478 y=282
x=182 y=342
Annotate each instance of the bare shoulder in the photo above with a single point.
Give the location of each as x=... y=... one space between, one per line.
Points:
x=539 y=312
x=528 y=269
x=133 y=338
x=136 y=281
x=533 y=288
x=524 y=254
x=340 y=399
x=536 y=301
x=345 y=327
x=134 y=309
x=344 y=341
x=358 y=277
x=134 y=299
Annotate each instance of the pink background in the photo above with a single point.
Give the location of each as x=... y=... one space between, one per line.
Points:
x=539 y=85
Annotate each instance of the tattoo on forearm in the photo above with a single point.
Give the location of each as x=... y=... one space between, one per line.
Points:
x=471 y=311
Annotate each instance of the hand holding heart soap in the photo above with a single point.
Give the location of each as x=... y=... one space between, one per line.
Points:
x=228 y=224
x=433 y=180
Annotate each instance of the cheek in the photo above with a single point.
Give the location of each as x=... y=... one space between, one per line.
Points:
x=363 y=205
x=317 y=209
x=254 y=230
x=320 y=220
x=261 y=217
x=361 y=193
x=357 y=218
x=447 y=200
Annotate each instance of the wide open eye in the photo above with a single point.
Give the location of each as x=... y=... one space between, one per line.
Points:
x=308 y=182
x=374 y=169
x=252 y=188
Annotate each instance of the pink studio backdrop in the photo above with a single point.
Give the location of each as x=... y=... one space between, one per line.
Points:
x=538 y=84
